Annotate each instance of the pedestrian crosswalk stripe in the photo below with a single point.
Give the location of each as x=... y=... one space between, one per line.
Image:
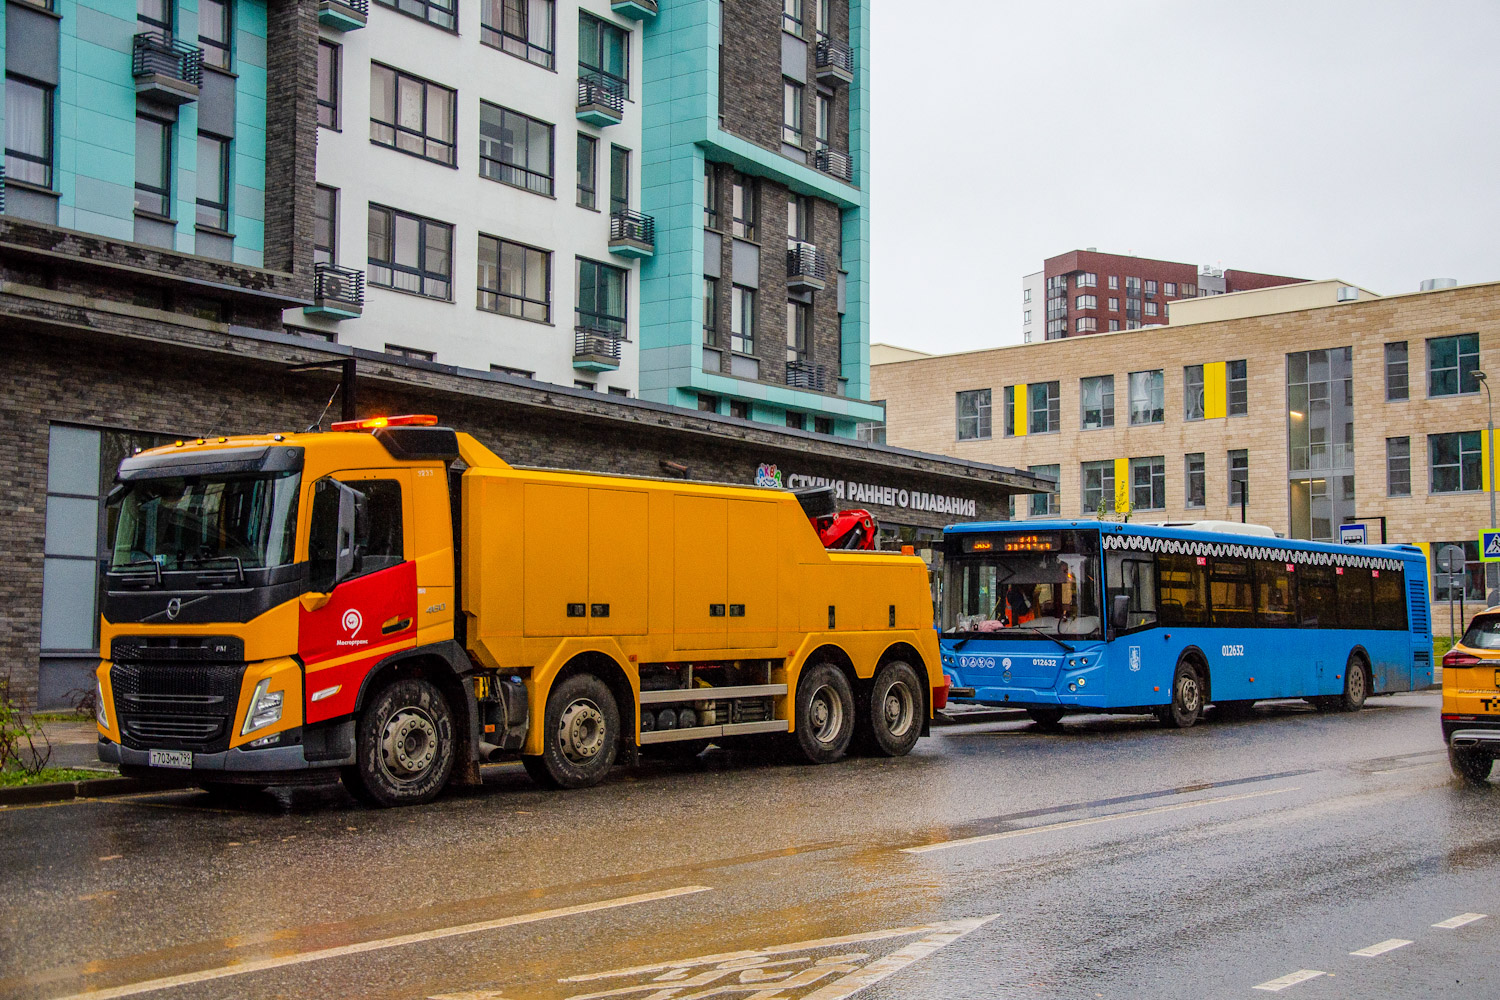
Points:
x=1459 y=921
x=1290 y=979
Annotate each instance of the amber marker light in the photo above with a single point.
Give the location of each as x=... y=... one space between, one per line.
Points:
x=375 y=423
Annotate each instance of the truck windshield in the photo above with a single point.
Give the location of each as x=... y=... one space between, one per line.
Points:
x=1051 y=588
x=203 y=521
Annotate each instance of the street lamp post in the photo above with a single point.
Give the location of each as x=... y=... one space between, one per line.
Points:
x=1489 y=403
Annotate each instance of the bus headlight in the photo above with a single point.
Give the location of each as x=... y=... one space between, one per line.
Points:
x=265 y=708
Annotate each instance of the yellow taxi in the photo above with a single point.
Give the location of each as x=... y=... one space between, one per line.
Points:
x=1471 y=698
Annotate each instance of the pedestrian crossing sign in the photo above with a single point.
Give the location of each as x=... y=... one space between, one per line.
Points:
x=1489 y=546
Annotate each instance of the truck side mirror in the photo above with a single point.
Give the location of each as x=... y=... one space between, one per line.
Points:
x=1119 y=611
x=343 y=561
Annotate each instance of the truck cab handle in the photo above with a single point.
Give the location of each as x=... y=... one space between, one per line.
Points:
x=397 y=624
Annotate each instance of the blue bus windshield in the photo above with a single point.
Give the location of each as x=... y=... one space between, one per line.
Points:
x=1022 y=585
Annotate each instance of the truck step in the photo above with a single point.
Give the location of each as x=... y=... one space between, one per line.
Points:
x=709 y=732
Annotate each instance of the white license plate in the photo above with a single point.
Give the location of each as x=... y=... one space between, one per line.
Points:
x=172 y=758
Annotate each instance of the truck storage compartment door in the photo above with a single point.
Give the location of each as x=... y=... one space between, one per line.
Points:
x=754 y=553
x=617 y=562
x=699 y=550
x=555 y=543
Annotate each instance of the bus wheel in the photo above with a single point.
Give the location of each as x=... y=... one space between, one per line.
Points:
x=1187 y=698
x=1047 y=718
x=893 y=713
x=404 y=746
x=1470 y=766
x=1356 y=685
x=825 y=714
x=580 y=734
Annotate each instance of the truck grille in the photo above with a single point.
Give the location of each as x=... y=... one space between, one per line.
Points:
x=176 y=706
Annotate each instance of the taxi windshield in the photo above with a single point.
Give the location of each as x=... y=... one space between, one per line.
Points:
x=1055 y=593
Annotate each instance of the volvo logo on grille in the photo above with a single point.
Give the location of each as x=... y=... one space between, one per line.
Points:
x=174 y=608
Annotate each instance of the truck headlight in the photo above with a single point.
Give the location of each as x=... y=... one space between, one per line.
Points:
x=265 y=708
x=101 y=711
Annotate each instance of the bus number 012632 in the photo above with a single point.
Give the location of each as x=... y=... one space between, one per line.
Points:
x=1235 y=650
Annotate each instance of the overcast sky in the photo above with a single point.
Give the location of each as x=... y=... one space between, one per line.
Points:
x=1321 y=139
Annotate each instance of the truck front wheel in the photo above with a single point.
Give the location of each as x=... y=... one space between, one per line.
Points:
x=404 y=746
x=825 y=714
x=580 y=735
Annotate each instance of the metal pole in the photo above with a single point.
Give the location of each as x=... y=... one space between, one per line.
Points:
x=346 y=390
x=1244 y=498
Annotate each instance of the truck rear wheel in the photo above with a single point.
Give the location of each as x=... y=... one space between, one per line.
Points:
x=404 y=746
x=825 y=714
x=892 y=715
x=580 y=735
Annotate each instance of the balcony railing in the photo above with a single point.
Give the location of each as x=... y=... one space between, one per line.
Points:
x=834 y=62
x=337 y=291
x=343 y=15
x=595 y=349
x=806 y=267
x=166 y=69
x=632 y=234
x=806 y=375
x=834 y=162
x=601 y=99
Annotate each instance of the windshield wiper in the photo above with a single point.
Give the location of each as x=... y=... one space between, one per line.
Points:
x=1044 y=635
x=139 y=563
x=238 y=565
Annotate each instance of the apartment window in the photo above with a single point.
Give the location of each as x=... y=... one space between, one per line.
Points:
x=798 y=219
x=1133 y=287
x=1098 y=479
x=823 y=125
x=739 y=408
x=746 y=207
x=601 y=297
x=1025 y=296
x=1451 y=364
x=870 y=433
x=414 y=353
x=1150 y=287
x=797 y=421
x=1114 y=282
x=579 y=383
x=1008 y=408
x=1455 y=462
x=1148 y=483
x=1196 y=492
x=711 y=312
x=708 y=403
x=822 y=425
x=1085 y=324
x=604 y=48
x=616 y=390
x=619 y=179
x=588 y=171
x=1114 y=305
x=1096 y=396
x=1397 y=386
x=213 y=182
x=798 y=319
x=410 y=253
x=1150 y=308
x=1026 y=316
x=215 y=30
x=515 y=149
x=28 y=132
x=411 y=114
x=973 y=415
x=524 y=28
x=825 y=17
x=1146 y=397
x=1237 y=394
x=710 y=196
x=1114 y=325
x=1169 y=288
x=325 y=224
x=441 y=13
x=1086 y=302
x=1192 y=392
x=328 y=84
x=1086 y=280
x=157 y=13
x=517 y=372
x=1044 y=504
x=1043 y=408
x=1398 y=467
x=1239 y=474
x=791 y=112
x=1189 y=291
x=791 y=16
x=153 y=165
x=1468 y=584
x=515 y=280
x=742 y=319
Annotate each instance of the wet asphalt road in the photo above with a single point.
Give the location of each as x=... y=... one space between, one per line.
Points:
x=1111 y=859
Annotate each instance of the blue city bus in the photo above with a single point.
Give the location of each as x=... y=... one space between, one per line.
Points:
x=1094 y=616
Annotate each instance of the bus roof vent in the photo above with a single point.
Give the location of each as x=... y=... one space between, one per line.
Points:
x=1228 y=527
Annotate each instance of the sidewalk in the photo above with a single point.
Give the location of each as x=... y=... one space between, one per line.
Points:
x=75 y=744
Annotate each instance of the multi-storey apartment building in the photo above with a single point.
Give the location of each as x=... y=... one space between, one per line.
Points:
x=1084 y=291
x=1361 y=408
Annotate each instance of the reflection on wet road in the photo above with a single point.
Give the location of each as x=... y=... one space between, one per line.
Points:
x=1317 y=855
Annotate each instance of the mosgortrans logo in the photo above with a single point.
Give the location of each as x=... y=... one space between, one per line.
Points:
x=352 y=621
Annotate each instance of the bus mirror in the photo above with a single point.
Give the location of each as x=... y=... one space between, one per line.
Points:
x=1119 y=612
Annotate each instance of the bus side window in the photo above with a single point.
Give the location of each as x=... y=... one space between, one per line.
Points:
x=1390 y=599
x=1276 y=594
x=1182 y=589
x=1317 y=598
x=1135 y=577
x=1230 y=591
x=1356 y=609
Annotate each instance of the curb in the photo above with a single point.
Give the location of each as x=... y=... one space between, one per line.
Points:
x=88 y=788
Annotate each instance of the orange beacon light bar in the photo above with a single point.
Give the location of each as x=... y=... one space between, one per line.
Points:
x=375 y=423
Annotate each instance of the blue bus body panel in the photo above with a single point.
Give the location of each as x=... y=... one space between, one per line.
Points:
x=1135 y=669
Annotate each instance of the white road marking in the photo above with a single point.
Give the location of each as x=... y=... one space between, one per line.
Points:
x=1092 y=820
x=1460 y=920
x=380 y=944
x=1390 y=944
x=754 y=972
x=1290 y=979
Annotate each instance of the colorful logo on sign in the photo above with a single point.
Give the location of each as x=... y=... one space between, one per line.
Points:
x=768 y=475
